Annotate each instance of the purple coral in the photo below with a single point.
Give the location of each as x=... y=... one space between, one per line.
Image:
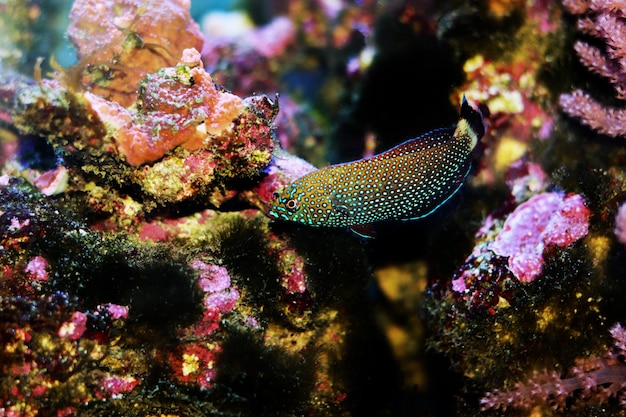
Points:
x=594 y=379
x=514 y=245
x=602 y=19
x=116 y=311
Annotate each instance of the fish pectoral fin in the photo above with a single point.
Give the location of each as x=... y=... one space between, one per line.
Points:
x=343 y=209
x=340 y=206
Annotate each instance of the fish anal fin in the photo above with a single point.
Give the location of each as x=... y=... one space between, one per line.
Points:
x=455 y=186
x=364 y=230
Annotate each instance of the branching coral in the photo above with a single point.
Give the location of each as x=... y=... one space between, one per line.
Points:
x=604 y=20
x=594 y=379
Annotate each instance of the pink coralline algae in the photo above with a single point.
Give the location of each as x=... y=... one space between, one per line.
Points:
x=195 y=358
x=546 y=219
x=177 y=106
x=114 y=386
x=620 y=224
x=17 y=225
x=43 y=342
x=604 y=20
x=215 y=282
x=592 y=381
x=213 y=278
x=116 y=311
x=36 y=267
x=74 y=328
x=291 y=266
x=512 y=247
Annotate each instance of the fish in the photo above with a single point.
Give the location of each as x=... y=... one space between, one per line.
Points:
x=406 y=182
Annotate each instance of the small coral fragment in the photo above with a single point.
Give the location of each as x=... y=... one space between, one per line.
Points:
x=194 y=360
x=113 y=386
x=116 y=311
x=37 y=268
x=52 y=182
x=215 y=282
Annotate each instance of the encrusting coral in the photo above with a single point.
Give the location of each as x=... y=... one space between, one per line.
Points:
x=175 y=106
x=543 y=220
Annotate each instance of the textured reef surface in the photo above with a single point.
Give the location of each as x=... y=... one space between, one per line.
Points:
x=140 y=273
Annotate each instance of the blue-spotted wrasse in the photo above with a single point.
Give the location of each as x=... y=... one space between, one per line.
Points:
x=406 y=182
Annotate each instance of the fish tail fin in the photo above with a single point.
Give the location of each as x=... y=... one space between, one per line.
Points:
x=471 y=123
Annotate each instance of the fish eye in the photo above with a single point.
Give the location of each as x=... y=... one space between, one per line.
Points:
x=292 y=205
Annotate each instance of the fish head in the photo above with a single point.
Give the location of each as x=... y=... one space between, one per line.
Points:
x=286 y=204
x=301 y=202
